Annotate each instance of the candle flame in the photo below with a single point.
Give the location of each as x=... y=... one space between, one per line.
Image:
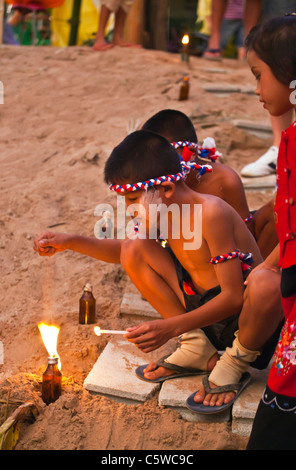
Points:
x=97 y=330
x=49 y=336
x=185 y=39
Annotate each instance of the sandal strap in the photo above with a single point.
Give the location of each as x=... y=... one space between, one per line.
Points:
x=221 y=389
x=169 y=365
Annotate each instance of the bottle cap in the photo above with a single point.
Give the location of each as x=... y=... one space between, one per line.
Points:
x=88 y=287
x=53 y=360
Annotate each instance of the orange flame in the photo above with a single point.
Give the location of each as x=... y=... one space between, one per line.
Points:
x=49 y=336
x=185 y=40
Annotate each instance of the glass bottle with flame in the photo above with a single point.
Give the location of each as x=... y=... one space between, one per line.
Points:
x=51 y=382
x=184 y=50
x=52 y=377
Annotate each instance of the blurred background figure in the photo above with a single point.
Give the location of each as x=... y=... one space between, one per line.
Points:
x=120 y=8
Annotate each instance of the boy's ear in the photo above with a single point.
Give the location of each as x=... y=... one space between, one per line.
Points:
x=168 y=188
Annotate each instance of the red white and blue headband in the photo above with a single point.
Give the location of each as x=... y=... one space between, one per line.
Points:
x=186 y=168
x=207 y=150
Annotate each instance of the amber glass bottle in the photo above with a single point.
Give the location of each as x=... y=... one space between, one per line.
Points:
x=87 y=306
x=51 y=382
x=184 y=89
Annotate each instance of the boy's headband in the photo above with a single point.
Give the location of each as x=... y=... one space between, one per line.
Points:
x=186 y=168
x=207 y=150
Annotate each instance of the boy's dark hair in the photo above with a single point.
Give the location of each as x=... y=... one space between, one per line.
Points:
x=274 y=42
x=141 y=156
x=173 y=125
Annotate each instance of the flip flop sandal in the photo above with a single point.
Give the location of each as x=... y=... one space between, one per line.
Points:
x=180 y=371
x=202 y=409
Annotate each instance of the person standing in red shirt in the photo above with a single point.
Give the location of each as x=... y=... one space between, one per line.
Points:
x=271 y=52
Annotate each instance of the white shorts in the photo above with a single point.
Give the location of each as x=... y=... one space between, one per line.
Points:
x=114 y=5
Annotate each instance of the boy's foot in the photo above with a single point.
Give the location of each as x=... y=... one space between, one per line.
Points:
x=265 y=165
x=213 y=400
x=154 y=372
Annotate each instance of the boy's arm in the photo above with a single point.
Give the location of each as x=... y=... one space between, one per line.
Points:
x=272 y=260
x=233 y=193
x=49 y=243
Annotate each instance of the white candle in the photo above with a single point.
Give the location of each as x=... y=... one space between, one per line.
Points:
x=99 y=332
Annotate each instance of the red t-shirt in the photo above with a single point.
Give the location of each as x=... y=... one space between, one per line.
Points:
x=285 y=203
x=282 y=377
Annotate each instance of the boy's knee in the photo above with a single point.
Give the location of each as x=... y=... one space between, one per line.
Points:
x=132 y=252
x=264 y=284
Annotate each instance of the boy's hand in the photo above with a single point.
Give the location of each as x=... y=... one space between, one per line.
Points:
x=49 y=243
x=150 y=335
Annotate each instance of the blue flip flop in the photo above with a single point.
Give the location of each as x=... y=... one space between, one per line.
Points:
x=179 y=371
x=207 y=410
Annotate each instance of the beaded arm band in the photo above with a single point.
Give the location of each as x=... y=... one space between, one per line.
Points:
x=246 y=259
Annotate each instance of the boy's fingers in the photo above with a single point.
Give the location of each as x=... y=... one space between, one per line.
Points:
x=44 y=242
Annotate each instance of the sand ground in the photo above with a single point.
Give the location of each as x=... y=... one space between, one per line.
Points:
x=64 y=110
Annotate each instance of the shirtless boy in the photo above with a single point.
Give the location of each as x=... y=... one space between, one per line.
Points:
x=223 y=182
x=203 y=301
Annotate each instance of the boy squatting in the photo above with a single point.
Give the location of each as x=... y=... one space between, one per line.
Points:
x=201 y=301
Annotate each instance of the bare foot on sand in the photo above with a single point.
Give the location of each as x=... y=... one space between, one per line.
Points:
x=121 y=43
x=102 y=46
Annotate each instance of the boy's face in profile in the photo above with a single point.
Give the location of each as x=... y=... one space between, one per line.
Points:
x=141 y=206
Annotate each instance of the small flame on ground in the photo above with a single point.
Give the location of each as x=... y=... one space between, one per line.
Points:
x=49 y=336
x=97 y=330
x=185 y=39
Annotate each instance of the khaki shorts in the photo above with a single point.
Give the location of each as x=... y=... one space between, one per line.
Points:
x=114 y=5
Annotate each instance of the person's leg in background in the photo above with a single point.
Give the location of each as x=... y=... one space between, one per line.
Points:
x=100 y=43
x=218 y=11
x=251 y=16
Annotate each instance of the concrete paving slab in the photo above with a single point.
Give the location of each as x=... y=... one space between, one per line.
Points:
x=134 y=305
x=221 y=89
x=174 y=393
x=245 y=407
x=259 y=183
x=260 y=129
x=113 y=374
x=215 y=70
